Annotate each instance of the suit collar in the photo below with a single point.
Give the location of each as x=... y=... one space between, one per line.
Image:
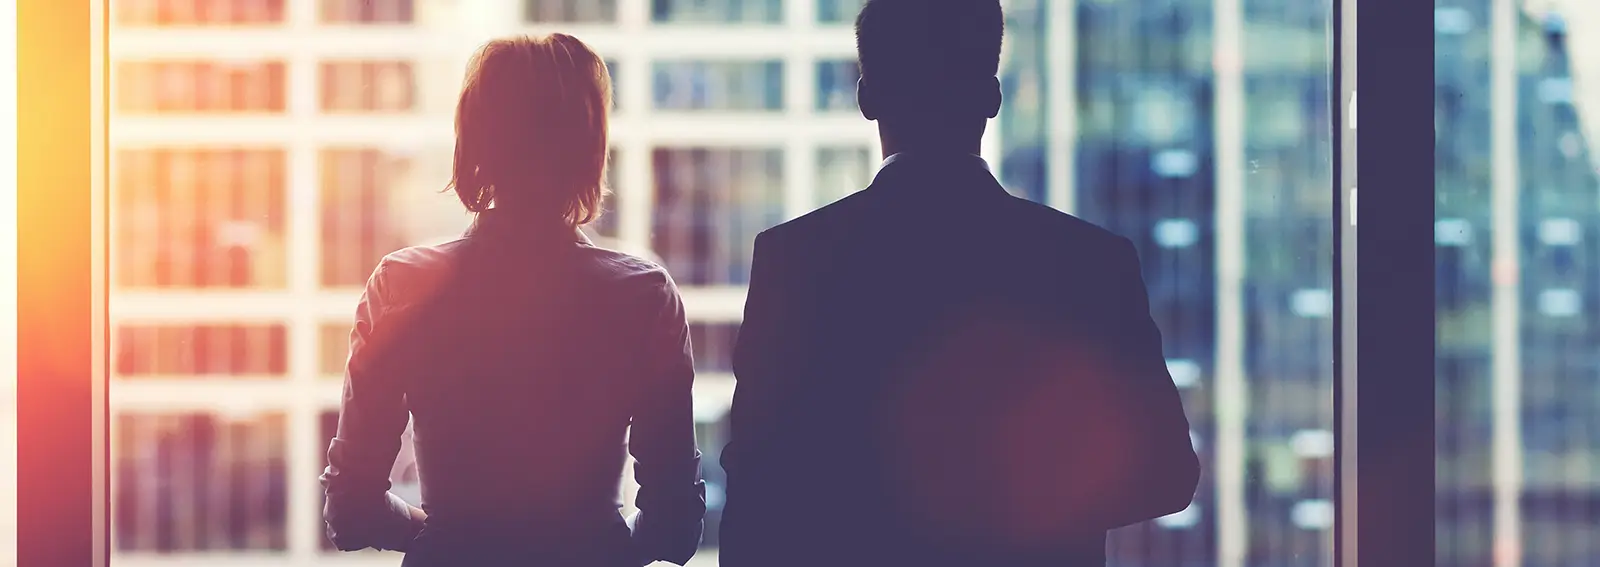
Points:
x=944 y=172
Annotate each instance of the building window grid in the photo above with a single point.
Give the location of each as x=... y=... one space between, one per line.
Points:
x=311 y=386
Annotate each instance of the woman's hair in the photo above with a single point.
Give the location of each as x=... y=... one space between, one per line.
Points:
x=531 y=129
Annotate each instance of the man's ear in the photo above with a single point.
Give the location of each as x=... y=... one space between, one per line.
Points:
x=866 y=100
x=991 y=98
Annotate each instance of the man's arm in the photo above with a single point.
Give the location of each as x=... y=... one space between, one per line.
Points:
x=1162 y=469
x=756 y=359
x=360 y=512
x=671 y=496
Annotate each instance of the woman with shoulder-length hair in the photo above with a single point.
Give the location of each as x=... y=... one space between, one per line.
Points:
x=521 y=352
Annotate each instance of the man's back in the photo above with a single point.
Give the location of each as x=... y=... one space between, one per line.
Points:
x=892 y=343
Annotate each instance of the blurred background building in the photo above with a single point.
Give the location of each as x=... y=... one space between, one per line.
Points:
x=1517 y=283
x=266 y=153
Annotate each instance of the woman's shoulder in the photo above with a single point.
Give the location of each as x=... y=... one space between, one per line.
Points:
x=633 y=270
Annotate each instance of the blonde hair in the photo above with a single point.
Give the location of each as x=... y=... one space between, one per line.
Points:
x=531 y=129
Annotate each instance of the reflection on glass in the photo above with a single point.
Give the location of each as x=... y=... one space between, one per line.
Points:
x=368 y=11
x=188 y=351
x=207 y=87
x=841 y=171
x=198 y=12
x=359 y=214
x=1513 y=286
x=718 y=85
x=569 y=11
x=719 y=12
x=200 y=218
x=368 y=86
x=710 y=204
x=836 y=84
x=196 y=482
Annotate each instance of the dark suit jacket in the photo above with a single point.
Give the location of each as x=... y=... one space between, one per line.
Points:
x=934 y=372
x=523 y=355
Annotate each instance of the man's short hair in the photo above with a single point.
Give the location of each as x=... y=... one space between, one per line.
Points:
x=918 y=43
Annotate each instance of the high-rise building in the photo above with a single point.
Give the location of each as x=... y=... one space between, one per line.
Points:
x=1516 y=285
x=266 y=155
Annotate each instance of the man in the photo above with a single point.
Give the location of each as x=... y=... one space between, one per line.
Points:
x=933 y=372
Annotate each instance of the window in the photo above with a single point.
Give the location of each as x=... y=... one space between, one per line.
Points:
x=710 y=204
x=197 y=12
x=721 y=145
x=570 y=11
x=719 y=12
x=368 y=86
x=838 y=11
x=713 y=346
x=202 y=87
x=1542 y=351
x=199 y=482
x=719 y=85
x=201 y=351
x=836 y=84
x=334 y=345
x=368 y=11
x=842 y=171
x=361 y=220
x=200 y=218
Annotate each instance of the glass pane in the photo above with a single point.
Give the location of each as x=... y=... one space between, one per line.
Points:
x=717 y=11
x=368 y=11
x=570 y=11
x=204 y=87
x=718 y=85
x=333 y=344
x=360 y=213
x=842 y=171
x=199 y=482
x=194 y=351
x=197 y=12
x=838 y=11
x=368 y=86
x=200 y=218
x=713 y=346
x=1516 y=275
x=836 y=84
x=710 y=204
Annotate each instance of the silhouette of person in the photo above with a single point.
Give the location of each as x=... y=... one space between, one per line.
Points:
x=521 y=352
x=932 y=371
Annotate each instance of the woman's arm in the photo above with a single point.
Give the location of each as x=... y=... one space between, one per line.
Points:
x=671 y=496
x=360 y=512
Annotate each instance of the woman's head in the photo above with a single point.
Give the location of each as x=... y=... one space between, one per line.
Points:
x=531 y=129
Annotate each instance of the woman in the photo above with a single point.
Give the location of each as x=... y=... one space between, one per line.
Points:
x=521 y=352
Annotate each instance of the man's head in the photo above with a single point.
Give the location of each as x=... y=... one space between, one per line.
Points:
x=928 y=67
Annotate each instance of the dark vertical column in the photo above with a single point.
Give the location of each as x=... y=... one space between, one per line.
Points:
x=54 y=292
x=1394 y=254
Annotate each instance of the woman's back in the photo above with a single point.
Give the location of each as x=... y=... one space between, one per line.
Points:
x=522 y=353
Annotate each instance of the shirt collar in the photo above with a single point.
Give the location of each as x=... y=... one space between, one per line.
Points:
x=961 y=158
x=493 y=222
x=945 y=166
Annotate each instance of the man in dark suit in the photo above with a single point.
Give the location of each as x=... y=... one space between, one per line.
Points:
x=933 y=372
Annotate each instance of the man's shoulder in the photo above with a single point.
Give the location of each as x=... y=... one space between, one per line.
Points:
x=1057 y=227
x=827 y=219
